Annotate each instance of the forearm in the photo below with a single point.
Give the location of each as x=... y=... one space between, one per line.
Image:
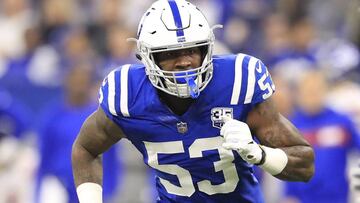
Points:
x=300 y=164
x=275 y=131
x=300 y=156
x=86 y=167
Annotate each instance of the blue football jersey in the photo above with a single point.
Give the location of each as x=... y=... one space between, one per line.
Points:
x=186 y=151
x=332 y=135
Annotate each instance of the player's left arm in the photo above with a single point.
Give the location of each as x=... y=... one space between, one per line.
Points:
x=275 y=131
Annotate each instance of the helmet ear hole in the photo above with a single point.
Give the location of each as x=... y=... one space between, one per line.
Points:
x=138 y=57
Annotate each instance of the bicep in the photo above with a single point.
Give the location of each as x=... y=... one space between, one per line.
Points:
x=98 y=133
x=271 y=128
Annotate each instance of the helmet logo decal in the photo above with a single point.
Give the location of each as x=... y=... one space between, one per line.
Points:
x=177 y=20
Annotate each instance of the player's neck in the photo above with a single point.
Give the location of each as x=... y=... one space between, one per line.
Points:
x=177 y=105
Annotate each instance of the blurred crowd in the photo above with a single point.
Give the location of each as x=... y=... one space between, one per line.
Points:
x=54 y=54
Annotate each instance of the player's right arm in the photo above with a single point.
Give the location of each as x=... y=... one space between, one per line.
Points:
x=283 y=153
x=97 y=134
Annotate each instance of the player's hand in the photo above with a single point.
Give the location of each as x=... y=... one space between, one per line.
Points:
x=238 y=137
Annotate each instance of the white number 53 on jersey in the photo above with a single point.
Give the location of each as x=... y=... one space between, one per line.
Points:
x=186 y=188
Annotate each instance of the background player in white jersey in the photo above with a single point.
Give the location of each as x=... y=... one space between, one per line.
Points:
x=192 y=115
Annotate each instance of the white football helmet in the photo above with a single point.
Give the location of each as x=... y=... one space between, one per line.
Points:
x=171 y=25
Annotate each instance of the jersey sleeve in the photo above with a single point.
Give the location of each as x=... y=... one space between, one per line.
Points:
x=113 y=97
x=252 y=81
x=264 y=86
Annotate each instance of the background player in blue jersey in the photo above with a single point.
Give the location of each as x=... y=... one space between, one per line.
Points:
x=192 y=115
x=332 y=135
x=58 y=128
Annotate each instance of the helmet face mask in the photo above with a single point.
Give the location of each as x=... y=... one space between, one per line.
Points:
x=169 y=26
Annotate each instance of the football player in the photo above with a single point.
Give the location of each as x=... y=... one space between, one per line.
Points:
x=331 y=134
x=192 y=115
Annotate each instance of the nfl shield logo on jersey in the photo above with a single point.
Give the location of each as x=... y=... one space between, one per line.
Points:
x=182 y=127
x=217 y=115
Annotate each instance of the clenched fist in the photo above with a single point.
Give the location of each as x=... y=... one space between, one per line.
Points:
x=238 y=137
